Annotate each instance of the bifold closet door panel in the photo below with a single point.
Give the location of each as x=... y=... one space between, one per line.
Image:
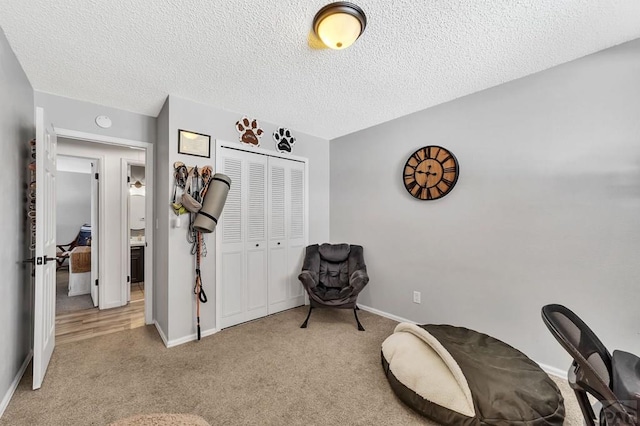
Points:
x=277 y=215
x=296 y=231
x=286 y=233
x=232 y=257
x=257 y=266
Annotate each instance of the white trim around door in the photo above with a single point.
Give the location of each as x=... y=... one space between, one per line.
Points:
x=149 y=230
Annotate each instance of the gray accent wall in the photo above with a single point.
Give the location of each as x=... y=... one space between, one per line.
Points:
x=546 y=208
x=17 y=127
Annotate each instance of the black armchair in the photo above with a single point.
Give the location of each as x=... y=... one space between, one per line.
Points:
x=613 y=380
x=334 y=275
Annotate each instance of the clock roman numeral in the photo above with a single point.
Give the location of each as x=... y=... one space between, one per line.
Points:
x=447 y=158
x=437 y=191
x=411 y=185
x=447 y=181
x=450 y=170
x=428 y=194
x=436 y=152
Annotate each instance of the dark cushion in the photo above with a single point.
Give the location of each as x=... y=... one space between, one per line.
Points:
x=626 y=377
x=334 y=274
x=334 y=252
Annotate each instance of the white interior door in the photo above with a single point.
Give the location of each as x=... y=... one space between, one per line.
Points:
x=45 y=279
x=95 y=235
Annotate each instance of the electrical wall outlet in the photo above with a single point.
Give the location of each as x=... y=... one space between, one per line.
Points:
x=416 y=297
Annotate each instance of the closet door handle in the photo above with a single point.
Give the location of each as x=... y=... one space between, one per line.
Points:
x=278 y=242
x=257 y=245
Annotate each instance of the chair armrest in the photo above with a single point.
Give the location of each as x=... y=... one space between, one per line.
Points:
x=307 y=279
x=358 y=280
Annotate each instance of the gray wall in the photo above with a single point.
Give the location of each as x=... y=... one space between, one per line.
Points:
x=72 y=114
x=16 y=129
x=546 y=208
x=73 y=204
x=220 y=124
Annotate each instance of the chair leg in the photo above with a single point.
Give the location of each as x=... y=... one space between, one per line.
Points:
x=304 y=324
x=355 y=312
x=585 y=407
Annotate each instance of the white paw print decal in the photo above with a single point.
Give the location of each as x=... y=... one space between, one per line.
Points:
x=284 y=139
x=250 y=131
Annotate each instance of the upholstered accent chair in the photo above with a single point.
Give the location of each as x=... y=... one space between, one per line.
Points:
x=334 y=275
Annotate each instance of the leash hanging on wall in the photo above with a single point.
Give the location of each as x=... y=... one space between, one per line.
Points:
x=203 y=197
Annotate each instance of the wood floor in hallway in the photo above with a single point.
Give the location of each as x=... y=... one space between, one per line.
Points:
x=88 y=323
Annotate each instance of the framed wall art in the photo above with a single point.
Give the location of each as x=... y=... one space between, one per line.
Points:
x=192 y=143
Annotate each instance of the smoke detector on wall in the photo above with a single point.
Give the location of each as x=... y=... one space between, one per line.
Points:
x=103 y=121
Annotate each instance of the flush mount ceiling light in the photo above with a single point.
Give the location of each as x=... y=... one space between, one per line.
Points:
x=339 y=24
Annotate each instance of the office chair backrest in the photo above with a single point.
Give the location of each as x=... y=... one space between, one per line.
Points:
x=588 y=352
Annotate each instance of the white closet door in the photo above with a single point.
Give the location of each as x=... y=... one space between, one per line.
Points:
x=278 y=271
x=287 y=229
x=255 y=199
x=261 y=236
x=232 y=247
x=297 y=231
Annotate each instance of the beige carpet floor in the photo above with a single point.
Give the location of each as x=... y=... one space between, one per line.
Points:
x=266 y=372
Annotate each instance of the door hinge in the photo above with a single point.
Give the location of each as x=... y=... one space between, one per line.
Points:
x=128 y=179
x=128 y=279
x=97 y=175
x=96 y=282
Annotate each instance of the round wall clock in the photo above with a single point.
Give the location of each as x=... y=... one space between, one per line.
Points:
x=430 y=173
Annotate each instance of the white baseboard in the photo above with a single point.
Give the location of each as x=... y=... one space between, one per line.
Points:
x=161 y=333
x=78 y=292
x=190 y=338
x=14 y=385
x=553 y=371
x=385 y=314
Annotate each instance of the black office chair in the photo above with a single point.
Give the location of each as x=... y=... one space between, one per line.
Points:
x=613 y=380
x=334 y=275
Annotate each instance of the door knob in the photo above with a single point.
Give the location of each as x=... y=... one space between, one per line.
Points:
x=31 y=260
x=278 y=242
x=257 y=245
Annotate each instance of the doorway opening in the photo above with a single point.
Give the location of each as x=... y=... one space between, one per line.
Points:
x=97 y=292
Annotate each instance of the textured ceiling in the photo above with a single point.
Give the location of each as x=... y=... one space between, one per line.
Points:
x=253 y=57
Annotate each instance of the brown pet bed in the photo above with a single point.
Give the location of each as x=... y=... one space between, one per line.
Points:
x=457 y=376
